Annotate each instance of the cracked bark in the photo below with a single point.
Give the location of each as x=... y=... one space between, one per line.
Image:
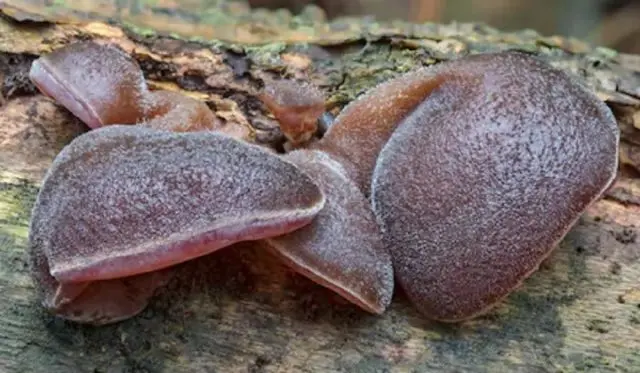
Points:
x=239 y=309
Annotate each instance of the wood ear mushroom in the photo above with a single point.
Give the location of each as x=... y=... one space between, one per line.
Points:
x=102 y=85
x=296 y=106
x=479 y=183
x=342 y=248
x=476 y=168
x=122 y=204
x=124 y=201
x=457 y=179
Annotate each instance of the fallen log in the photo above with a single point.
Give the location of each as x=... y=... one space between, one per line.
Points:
x=242 y=310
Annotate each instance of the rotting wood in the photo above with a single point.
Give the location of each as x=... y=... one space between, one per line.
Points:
x=240 y=310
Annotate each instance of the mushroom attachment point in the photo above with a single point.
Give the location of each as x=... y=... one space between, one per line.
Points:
x=297 y=106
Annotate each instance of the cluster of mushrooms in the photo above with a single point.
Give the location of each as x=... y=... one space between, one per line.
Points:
x=454 y=181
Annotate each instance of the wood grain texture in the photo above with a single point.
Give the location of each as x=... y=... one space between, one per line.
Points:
x=240 y=309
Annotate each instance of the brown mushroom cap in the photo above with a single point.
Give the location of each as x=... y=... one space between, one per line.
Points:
x=342 y=249
x=174 y=111
x=297 y=107
x=358 y=134
x=102 y=85
x=478 y=185
x=121 y=201
x=99 y=84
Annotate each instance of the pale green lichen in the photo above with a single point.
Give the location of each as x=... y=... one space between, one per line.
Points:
x=16 y=200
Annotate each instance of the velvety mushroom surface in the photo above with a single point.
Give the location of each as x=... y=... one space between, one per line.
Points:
x=124 y=262
x=102 y=85
x=459 y=179
x=358 y=134
x=479 y=183
x=126 y=200
x=342 y=247
x=99 y=84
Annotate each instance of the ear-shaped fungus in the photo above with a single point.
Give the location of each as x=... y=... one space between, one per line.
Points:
x=120 y=202
x=479 y=183
x=358 y=134
x=342 y=248
x=102 y=85
x=296 y=106
x=99 y=84
x=173 y=111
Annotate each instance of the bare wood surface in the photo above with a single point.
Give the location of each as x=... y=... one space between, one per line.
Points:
x=241 y=310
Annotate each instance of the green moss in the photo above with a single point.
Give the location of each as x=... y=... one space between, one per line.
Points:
x=138 y=30
x=214 y=16
x=606 y=52
x=16 y=199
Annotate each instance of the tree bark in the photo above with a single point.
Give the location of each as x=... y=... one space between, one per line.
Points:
x=241 y=310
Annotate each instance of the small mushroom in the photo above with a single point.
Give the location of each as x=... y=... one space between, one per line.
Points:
x=481 y=181
x=297 y=107
x=102 y=85
x=173 y=111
